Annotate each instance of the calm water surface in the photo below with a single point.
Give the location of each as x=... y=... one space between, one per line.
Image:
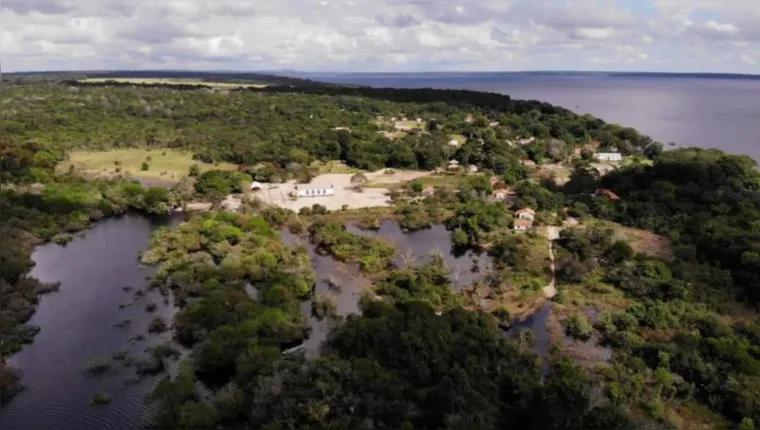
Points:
x=705 y=112
x=77 y=325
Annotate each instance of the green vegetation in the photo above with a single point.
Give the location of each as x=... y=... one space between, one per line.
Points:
x=166 y=166
x=332 y=238
x=97 y=366
x=428 y=283
x=324 y=306
x=207 y=262
x=101 y=399
x=681 y=323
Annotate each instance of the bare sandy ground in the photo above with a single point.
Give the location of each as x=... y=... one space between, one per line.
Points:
x=278 y=194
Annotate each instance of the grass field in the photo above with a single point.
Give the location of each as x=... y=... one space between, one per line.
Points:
x=172 y=81
x=335 y=166
x=166 y=165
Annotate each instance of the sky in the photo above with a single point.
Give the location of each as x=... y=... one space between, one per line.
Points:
x=382 y=36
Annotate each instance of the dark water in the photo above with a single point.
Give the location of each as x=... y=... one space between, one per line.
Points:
x=537 y=323
x=417 y=246
x=77 y=325
x=706 y=112
x=413 y=247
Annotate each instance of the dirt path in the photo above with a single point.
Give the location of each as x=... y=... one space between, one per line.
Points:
x=552 y=234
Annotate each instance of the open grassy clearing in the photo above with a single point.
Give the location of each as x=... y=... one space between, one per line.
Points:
x=642 y=241
x=334 y=167
x=460 y=138
x=443 y=180
x=165 y=165
x=173 y=81
x=409 y=125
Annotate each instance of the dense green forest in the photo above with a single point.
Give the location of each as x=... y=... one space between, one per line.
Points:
x=286 y=125
x=682 y=329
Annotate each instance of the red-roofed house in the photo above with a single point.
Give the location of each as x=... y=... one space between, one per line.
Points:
x=523 y=224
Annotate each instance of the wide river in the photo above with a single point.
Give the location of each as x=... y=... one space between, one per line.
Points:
x=706 y=112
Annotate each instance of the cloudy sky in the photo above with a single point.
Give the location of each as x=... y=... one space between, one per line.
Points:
x=373 y=35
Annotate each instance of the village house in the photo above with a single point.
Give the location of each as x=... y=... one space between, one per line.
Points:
x=607 y=193
x=348 y=129
x=454 y=142
x=419 y=119
x=428 y=191
x=608 y=156
x=526 y=141
x=578 y=150
x=523 y=224
x=493 y=124
x=469 y=118
x=501 y=193
x=526 y=213
x=453 y=164
x=256 y=186
x=472 y=168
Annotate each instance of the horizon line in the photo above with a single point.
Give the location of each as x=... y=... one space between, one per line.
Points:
x=276 y=71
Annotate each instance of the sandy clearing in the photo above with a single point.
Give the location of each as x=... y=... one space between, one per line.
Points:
x=277 y=194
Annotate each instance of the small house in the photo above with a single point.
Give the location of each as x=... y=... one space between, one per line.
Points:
x=256 y=186
x=453 y=164
x=578 y=150
x=472 y=168
x=428 y=191
x=501 y=194
x=453 y=142
x=523 y=224
x=419 y=119
x=526 y=140
x=607 y=193
x=493 y=124
x=469 y=118
x=608 y=156
x=526 y=213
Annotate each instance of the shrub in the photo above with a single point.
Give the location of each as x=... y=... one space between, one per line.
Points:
x=145 y=166
x=324 y=306
x=97 y=366
x=578 y=327
x=101 y=399
x=157 y=325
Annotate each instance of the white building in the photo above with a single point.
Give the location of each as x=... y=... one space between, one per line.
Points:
x=526 y=213
x=255 y=186
x=608 y=156
x=454 y=142
x=316 y=192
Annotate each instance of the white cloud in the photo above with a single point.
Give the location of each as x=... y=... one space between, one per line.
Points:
x=748 y=60
x=375 y=35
